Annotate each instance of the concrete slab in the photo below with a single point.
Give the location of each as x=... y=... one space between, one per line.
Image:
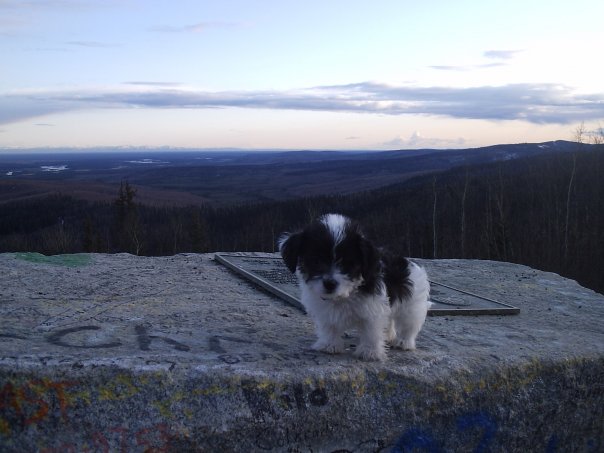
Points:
x=125 y=353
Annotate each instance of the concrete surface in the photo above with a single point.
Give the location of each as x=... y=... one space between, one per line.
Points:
x=122 y=353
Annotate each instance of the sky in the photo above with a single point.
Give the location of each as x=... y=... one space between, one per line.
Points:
x=326 y=74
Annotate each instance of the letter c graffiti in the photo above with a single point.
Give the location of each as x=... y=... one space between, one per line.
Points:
x=57 y=338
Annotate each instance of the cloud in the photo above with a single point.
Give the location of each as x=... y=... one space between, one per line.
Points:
x=467 y=67
x=157 y=84
x=416 y=140
x=193 y=28
x=94 y=44
x=501 y=54
x=534 y=103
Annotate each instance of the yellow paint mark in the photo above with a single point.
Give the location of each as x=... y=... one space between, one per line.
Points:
x=120 y=388
x=441 y=388
x=164 y=408
x=212 y=390
x=4 y=428
x=178 y=396
x=357 y=383
x=84 y=395
x=216 y=390
x=263 y=385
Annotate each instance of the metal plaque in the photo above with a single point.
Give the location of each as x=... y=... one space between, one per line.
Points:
x=271 y=274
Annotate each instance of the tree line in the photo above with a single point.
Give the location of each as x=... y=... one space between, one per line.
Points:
x=544 y=211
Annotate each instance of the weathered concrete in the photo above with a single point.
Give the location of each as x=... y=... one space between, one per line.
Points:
x=121 y=353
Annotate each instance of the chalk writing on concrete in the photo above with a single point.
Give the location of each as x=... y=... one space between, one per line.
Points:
x=58 y=338
x=144 y=340
x=228 y=347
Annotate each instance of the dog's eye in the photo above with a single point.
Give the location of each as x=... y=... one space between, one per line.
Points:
x=315 y=265
x=349 y=265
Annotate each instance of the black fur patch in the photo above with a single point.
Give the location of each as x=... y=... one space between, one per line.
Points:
x=396 y=277
x=315 y=252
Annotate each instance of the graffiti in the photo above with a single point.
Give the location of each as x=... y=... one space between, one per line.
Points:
x=35 y=402
x=251 y=357
x=476 y=431
x=218 y=344
x=12 y=336
x=120 y=388
x=155 y=438
x=264 y=399
x=144 y=340
x=215 y=342
x=481 y=421
x=32 y=402
x=57 y=338
x=228 y=348
x=42 y=400
x=416 y=438
x=467 y=426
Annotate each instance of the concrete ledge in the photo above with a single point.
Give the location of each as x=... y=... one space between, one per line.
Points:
x=124 y=353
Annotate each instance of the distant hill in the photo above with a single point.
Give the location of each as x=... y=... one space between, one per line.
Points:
x=193 y=177
x=540 y=205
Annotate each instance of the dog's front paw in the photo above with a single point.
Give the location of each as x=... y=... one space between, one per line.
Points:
x=370 y=354
x=328 y=347
x=406 y=344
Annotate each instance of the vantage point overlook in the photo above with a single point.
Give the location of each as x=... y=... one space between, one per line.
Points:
x=123 y=353
x=154 y=157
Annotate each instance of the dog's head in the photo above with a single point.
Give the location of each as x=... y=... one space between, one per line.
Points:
x=332 y=257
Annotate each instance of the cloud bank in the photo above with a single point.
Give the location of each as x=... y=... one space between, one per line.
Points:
x=534 y=103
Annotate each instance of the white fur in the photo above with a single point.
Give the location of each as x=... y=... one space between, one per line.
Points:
x=373 y=318
x=408 y=316
x=336 y=223
x=282 y=240
x=377 y=320
x=346 y=285
x=333 y=315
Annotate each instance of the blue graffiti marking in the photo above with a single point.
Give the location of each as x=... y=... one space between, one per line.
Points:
x=415 y=438
x=481 y=420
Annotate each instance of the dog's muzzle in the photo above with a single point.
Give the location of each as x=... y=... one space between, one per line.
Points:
x=329 y=285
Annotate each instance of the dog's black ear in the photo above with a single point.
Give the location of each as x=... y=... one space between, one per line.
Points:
x=370 y=261
x=289 y=246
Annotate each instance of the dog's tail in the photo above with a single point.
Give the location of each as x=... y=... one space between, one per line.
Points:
x=420 y=294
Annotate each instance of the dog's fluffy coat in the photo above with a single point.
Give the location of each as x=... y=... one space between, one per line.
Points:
x=348 y=283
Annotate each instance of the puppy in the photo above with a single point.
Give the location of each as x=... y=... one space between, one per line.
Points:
x=346 y=282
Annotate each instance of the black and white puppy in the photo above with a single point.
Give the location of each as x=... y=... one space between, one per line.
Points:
x=348 y=283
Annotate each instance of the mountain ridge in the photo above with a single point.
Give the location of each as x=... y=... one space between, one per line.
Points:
x=232 y=177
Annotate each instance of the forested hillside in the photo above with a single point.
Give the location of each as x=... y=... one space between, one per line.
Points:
x=544 y=211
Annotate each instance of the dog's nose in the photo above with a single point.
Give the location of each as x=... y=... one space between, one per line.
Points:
x=329 y=284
